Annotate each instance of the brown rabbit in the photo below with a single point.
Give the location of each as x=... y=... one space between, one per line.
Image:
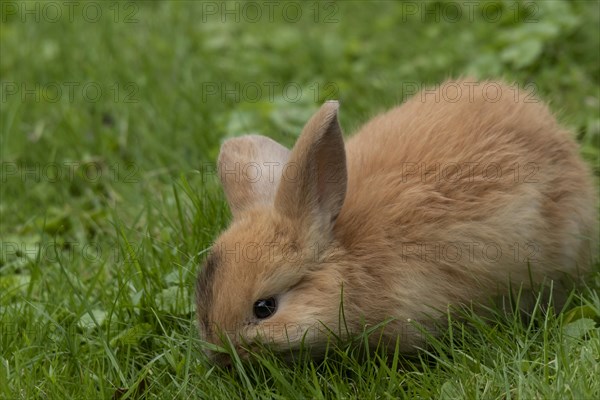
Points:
x=444 y=200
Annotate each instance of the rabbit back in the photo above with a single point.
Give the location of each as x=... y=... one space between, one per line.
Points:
x=463 y=187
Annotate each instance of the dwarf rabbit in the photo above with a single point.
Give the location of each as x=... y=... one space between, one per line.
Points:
x=448 y=199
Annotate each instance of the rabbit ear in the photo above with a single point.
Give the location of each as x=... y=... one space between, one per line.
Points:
x=313 y=184
x=250 y=168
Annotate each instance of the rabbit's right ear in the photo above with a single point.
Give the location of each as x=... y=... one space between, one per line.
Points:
x=313 y=187
x=250 y=169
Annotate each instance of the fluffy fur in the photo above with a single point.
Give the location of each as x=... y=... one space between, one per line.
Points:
x=443 y=200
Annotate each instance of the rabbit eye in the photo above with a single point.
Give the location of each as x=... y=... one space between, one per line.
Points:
x=264 y=308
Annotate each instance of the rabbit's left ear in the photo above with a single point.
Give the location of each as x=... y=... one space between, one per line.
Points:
x=313 y=184
x=250 y=169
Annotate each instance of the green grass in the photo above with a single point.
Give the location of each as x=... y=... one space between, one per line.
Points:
x=108 y=202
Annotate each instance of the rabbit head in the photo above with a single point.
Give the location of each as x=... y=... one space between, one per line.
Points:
x=272 y=277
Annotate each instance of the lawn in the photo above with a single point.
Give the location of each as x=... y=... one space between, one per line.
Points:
x=112 y=114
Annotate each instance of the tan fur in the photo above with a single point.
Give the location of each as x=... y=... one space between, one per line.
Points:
x=446 y=199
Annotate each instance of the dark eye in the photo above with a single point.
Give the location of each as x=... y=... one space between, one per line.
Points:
x=264 y=308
